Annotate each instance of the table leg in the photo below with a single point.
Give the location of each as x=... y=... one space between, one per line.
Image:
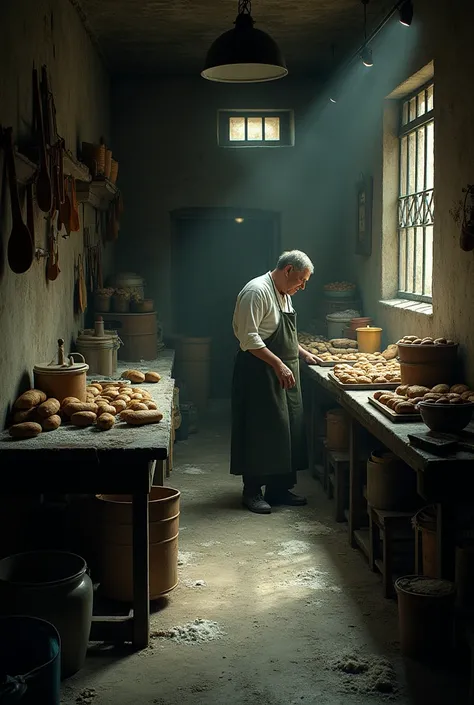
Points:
x=446 y=540
x=160 y=470
x=141 y=590
x=355 y=489
x=310 y=428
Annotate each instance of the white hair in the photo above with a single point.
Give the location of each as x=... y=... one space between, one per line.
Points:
x=296 y=259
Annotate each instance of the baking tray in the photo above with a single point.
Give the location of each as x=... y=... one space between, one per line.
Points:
x=390 y=414
x=362 y=387
x=325 y=363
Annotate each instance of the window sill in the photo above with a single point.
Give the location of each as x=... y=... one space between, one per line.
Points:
x=407 y=305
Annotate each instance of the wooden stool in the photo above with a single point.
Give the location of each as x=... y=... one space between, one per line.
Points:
x=384 y=528
x=337 y=478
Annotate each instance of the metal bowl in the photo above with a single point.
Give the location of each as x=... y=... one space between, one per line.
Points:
x=446 y=418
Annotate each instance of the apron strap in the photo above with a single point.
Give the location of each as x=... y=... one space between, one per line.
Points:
x=277 y=297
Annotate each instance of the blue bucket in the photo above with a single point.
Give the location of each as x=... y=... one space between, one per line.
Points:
x=30 y=661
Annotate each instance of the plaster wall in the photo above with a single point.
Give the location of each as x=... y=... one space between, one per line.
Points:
x=34 y=313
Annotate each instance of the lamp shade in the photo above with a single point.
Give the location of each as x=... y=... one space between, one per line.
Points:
x=244 y=55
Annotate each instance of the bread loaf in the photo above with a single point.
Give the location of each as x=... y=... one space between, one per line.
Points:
x=50 y=407
x=28 y=429
x=32 y=397
x=51 y=423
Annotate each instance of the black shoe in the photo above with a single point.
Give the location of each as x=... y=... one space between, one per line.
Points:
x=256 y=503
x=285 y=498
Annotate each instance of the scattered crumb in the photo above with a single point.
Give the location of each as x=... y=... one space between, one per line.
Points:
x=194 y=583
x=191 y=470
x=86 y=696
x=313 y=579
x=209 y=544
x=293 y=548
x=373 y=675
x=198 y=631
x=315 y=528
x=185 y=558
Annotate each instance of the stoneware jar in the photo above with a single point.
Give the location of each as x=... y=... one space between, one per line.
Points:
x=55 y=586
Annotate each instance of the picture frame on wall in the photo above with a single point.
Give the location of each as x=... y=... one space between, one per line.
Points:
x=364 y=215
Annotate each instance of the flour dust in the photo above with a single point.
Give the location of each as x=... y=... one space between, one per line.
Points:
x=372 y=675
x=197 y=632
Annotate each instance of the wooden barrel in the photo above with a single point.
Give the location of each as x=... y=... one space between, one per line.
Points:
x=391 y=484
x=193 y=365
x=117 y=540
x=138 y=332
x=337 y=430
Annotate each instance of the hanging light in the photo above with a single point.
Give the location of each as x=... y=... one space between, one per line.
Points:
x=333 y=95
x=366 y=56
x=244 y=54
x=366 y=53
x=406 y=13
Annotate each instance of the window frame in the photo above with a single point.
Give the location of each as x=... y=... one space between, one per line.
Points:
x=413 y=126
x=287 y=130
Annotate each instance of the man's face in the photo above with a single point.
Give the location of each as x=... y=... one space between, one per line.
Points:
x=296 y=280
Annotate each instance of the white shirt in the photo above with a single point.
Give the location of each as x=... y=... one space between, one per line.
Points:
x=257 y=314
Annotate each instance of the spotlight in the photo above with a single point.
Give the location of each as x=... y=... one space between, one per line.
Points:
x=333 y=99
x=366 y=56
x=406 y=13
x=239 y=220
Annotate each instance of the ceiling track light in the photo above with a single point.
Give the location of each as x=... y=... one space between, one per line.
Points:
x=366 y=53
x=406 y=13
x=244 y=54
x=333 y=95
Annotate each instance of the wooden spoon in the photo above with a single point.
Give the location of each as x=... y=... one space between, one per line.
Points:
x=20 y=244
x=44 y=196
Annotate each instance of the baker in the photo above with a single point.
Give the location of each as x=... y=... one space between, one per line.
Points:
x=268 y=444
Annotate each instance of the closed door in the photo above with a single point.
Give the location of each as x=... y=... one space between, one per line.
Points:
x=212 y=259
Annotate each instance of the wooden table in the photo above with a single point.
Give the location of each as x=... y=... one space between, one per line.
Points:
x=124 y=460
x=440 y=480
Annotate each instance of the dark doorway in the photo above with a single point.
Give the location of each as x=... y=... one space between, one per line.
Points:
x=214 y=252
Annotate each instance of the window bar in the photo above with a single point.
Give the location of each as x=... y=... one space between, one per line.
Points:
x=406 y=214
x=415 y=229
x=246 y=129
x=425 y=178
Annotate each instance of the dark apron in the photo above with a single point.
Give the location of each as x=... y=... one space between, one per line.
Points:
x=268 y=433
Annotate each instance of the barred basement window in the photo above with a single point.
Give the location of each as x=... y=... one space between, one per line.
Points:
x=416 y=196
x=255 y=128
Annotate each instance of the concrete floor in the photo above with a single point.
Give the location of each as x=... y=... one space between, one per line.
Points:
x=291 y=614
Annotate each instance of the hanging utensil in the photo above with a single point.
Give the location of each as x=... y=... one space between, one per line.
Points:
x=65 y=207
x=20 y=243
x=81 y=286
x=52 y=269
x=43 y=181
x=74 y=214
x=30 y=212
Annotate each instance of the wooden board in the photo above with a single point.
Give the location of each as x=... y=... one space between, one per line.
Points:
x=390 y=414
x=434 y=444
x=362 y=387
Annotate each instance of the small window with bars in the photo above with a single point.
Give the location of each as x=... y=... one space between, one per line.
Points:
x=416 y=196
x=255 y=128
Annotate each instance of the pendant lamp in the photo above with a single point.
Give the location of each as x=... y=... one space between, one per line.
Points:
x=244 y=54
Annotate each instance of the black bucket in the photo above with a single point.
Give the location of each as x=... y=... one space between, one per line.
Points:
x=30 y=661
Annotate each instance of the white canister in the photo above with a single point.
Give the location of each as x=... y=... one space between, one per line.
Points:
x=131 y=282
x=337 y=322
x=98 y=353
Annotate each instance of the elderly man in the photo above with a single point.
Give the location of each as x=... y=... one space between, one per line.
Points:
x=268 y=442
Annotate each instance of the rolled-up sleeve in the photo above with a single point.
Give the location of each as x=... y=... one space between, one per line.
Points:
x=249 y=312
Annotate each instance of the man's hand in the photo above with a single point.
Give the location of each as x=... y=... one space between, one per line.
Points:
x=309 y=359
x=285 y=376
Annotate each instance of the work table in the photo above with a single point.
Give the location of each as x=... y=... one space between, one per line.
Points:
x=123 y=460
x=148 y=442
x=441 y=480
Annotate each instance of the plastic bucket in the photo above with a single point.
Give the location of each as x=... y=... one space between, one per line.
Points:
x=425 y=617
x=30 y=661
x=55 y=586
x=336 y=325
x=98 y=352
